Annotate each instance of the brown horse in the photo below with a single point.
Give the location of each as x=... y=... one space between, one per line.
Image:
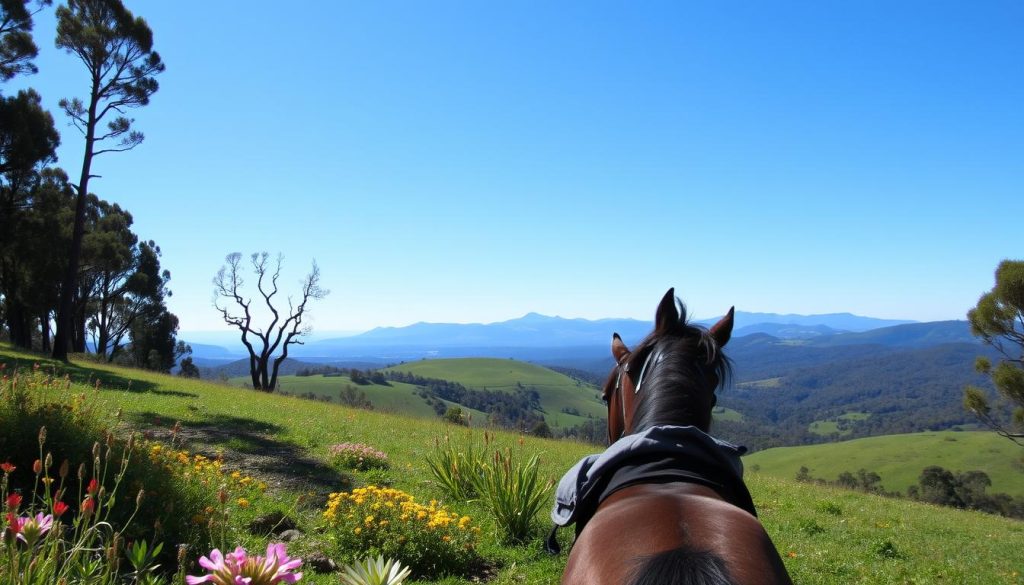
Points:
x=693 y=525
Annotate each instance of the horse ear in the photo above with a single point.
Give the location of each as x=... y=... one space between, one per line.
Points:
x=722 y=331
x=667 y=315
x=619 y=349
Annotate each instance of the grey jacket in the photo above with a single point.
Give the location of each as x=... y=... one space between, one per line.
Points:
x=688 y=453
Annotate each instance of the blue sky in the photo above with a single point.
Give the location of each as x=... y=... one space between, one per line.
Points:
x=474 y=161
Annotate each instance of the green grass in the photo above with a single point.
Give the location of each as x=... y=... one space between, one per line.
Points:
x=825 y=535
x=397 y=398
x=899 y=459
x=557 y=391
x=722 y=413
x=831 y=427
x=767 y=383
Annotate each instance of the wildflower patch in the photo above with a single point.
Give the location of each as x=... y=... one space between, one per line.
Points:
x=357 y=456
x=430 y=539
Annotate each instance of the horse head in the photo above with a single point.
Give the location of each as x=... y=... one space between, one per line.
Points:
x=672 y=375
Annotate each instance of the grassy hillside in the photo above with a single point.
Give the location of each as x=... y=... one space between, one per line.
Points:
x=560 y=394
x=899 y=459
x=557 y=391
x=824 y=535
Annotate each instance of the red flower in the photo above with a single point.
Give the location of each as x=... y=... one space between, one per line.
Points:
x=93 y=486
x=59 y=508
x=88 y=506
x=13 y=501
x=7 y=467
x=13 y=522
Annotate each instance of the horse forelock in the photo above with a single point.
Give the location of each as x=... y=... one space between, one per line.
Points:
x=677 y=390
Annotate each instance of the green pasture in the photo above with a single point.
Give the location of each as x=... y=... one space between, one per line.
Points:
x=557 y=390
x=766 y=384
x=831 y=427
x=723 y=413
x=395 y=398
x=899 y=459
x=824 y=535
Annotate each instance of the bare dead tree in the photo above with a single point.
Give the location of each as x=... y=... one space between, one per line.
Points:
x=237 y=311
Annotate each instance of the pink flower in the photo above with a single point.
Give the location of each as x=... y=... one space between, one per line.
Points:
x=33 y=528
x=28 y=529
x=238 y=568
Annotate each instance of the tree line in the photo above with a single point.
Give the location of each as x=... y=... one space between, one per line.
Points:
x=74 y=277
x=966 y=490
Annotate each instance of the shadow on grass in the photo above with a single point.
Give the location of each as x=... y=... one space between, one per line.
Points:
x=83 y=374
x=252 y=447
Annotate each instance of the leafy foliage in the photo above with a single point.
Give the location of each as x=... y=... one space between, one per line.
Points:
x=998 y=319
x=377 y=571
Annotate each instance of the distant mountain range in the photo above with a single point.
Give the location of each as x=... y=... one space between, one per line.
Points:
x=538 y=337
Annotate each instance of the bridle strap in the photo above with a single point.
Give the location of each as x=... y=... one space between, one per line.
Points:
x=653 y=359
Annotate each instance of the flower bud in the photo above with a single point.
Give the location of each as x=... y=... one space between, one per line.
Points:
x=42 y=436
x=81 y=471
x=64 y=469
x=49 y=461
x=37 y=467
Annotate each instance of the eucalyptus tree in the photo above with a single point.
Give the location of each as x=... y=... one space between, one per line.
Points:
x=17 y=49
x=998 y=319
x=237 y=310
x=28 y=143
x=116 y=49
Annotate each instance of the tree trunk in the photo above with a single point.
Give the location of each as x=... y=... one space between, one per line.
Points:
x=65 y=313
x=44 y=330
x=79 y=339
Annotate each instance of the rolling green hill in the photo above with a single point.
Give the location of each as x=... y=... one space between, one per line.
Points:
x=557 y=391
x=825 y=535
x=564 y=401
x=899 y=459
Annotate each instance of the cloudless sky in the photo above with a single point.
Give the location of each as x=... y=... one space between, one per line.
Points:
x=474 y=161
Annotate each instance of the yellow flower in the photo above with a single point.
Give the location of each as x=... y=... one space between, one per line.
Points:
x=242 y=502
x=358 y=530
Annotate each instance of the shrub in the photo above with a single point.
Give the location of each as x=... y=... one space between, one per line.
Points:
x=357 y=456
x=430 y=539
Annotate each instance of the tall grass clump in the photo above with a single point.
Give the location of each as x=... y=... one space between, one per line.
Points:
x=514 y=493
x=457 y=468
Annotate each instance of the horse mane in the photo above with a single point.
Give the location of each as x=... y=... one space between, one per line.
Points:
x=682 y=566
x=689 y=356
